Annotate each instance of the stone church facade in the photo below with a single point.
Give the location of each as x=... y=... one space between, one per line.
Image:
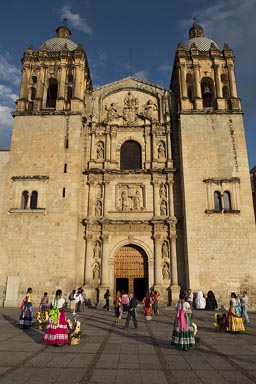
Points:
x=127 y=186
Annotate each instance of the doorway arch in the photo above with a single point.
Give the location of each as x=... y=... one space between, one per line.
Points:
x=131 y=270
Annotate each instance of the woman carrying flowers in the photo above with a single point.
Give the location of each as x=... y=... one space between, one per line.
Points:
x=56 y=332
x=26 y=314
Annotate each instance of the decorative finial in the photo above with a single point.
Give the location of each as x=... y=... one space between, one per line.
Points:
x=64 y=21
x=195 y=20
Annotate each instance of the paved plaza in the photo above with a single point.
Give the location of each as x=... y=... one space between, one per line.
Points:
x=110 y=354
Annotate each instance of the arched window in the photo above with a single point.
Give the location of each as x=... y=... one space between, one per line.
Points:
x=24 y=203
x=207 y=92
x=130 y=157
x=52 y=93
x=34 y=79
x=33 y=201
x=227 y=201
x=217 y=201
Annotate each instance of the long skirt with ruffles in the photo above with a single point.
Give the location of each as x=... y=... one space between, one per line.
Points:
x=26 y=316
x=183 y=337
x=57 y=333
x=235 y=322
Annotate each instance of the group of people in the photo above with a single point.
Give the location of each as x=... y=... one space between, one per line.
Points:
x=183 y=335
x=77 y=300
x=209 y=302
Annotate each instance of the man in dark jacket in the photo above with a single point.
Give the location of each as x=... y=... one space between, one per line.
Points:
x=132 y=312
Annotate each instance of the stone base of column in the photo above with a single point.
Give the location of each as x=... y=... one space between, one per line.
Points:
x=101 y=291
x=174 y=293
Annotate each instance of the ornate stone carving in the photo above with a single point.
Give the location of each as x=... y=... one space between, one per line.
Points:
x=150 y=110
x=163 y=191
x=165 y=271
x=130 y=197
x=161 y=150
x=100 y=150
x=97 y=250
x=163 y=208
x=96 y=270
x=131 y=108
x=98 y=208
x=165 y=250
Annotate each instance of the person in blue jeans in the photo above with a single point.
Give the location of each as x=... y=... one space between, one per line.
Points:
x=132 y=312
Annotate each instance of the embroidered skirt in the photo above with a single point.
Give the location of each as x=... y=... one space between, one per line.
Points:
x=181 y=338
x=26 y=316
x=57 y=333
x=234 y=322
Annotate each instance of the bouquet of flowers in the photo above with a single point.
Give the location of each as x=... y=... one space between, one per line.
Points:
x=74 y=330
x=41 y=320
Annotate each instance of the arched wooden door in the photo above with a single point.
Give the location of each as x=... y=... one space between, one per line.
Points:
x=131 y=270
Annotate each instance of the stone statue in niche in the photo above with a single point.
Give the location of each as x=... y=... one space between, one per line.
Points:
x=100 y=150
x=97 y=250
x=165 y=251
x=98 y=208
x=161 y=151
x=96 y=271
x=163 y=208
x=165 y=271
x=150 y=110
x=162 y=191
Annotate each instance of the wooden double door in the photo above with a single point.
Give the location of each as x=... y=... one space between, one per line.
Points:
x=131 y=270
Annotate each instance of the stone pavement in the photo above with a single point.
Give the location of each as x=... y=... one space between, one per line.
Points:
x=110 y=354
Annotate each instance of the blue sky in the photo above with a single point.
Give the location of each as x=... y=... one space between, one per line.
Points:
x=110 y=30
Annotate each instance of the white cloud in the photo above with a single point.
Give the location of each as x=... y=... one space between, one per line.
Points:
x=8 y=71
x=6 y=94
x=143 y=75
x=75 y=20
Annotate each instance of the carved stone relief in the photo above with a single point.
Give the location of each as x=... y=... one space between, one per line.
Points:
x=98 y=208
x=161 y=150
x=97 y=250
x=96 y=270
x=165 y=250
x=130 y=197
x=163 y=191
x=163 y=207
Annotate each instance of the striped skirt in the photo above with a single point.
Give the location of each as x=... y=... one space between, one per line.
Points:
x=26 y=316
x=183 y=339
x=56 y=333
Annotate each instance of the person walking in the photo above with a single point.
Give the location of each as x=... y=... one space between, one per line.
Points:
x=132 y=312
x=106 y=297
x=72 y=301
x=117 y=306
x=148 y=310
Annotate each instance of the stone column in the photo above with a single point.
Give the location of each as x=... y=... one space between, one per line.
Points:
x=184 y=93
x=62 y=78
x=91 y=194
x=93 y=149
x=158 y=256
x=148 y=147
x=197 y=82
x=174 y=267
x=217 y=80
x=156 y=198
x=88 y=259
x=104 y=261
x=113 y=137
x=77 y=91
x=105 y=197
x=232 y=81
x=170 y=195
x=108 y=146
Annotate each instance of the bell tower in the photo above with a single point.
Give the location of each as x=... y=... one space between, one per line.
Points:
x=56 y=77
x=210 y=155
x=203 y=76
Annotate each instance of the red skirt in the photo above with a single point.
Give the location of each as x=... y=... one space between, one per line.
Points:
x=57 y=333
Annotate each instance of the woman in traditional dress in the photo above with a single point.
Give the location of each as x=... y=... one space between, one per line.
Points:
x=56 y=332
x=211 y=302
x=234 y=318
x=200 y=301
x=148 y=310
x=183 y=331
x=26 y=314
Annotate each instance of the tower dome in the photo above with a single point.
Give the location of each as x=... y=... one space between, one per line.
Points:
x=61 y=40
x=196 y=36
